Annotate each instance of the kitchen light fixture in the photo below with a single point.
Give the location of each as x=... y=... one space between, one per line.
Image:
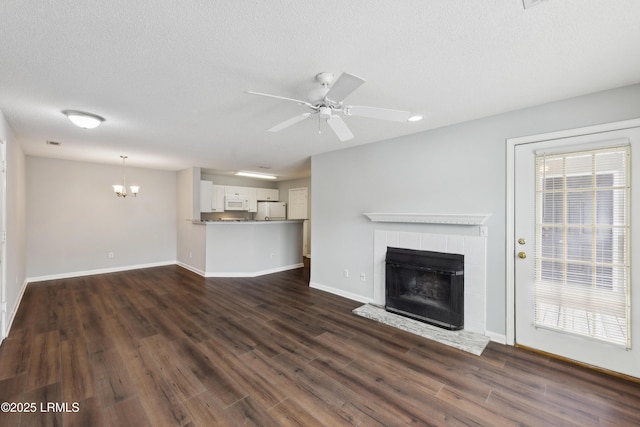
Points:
x=415 y=118
x=121 y=190
x=256 y=175
x=82 y=119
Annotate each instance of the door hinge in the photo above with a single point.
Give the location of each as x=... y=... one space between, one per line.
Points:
x=4 y=236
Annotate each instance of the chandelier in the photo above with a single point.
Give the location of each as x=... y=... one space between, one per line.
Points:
x=121 y=189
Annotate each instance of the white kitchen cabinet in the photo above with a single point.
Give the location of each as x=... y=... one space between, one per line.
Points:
x=217 y=200
x=231 y=190
x=268 y=194
x=251 y=197
x=211 y=197
x=206 y=196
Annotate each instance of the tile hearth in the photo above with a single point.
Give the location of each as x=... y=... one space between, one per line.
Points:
x=470 y=342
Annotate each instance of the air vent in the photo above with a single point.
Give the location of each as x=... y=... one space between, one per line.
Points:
x=56 y=143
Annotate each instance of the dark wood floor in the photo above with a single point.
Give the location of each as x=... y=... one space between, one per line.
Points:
x=165 y=347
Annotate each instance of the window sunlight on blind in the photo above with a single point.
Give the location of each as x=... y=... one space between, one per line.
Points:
x=582 y=250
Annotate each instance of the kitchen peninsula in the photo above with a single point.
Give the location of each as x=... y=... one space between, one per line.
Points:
x=218 y=239
x=250 y=248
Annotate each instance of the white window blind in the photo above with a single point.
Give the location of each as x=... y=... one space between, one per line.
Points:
x=582 y=248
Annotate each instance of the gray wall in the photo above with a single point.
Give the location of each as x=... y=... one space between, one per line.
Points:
x=191 y=250
x=455 y=169
x=74 y=218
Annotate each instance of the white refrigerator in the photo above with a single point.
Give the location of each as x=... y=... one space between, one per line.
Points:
x=271 y=211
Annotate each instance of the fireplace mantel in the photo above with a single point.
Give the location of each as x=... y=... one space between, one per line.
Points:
x=452 y=219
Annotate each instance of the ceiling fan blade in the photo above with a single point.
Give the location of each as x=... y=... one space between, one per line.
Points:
x=290 y=122
x=343 y=86
x=377 y=113
x=340 y=128
x=281 y=97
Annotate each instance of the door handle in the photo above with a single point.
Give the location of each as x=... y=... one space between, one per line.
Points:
x=522 y=255
x=522 y=241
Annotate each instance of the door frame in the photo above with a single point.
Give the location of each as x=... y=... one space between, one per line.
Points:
x=510 y=248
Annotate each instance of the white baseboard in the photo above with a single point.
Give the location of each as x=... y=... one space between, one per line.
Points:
x=499 y=338
x=15 y=309
x=160 y=264
x=98 y=271
x=190 y=268
x=256 y=273
x=341 y=293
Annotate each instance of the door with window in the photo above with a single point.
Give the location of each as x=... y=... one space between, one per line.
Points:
x=576 y=294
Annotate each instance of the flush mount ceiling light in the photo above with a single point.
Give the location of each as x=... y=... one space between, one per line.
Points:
x=121 y=189
x=255 y=175
x=82 y=119
x=415 y=118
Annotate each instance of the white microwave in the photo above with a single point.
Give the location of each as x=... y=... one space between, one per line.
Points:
x=234 y=203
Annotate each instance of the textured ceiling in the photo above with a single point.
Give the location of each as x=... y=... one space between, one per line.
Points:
x=170 y=76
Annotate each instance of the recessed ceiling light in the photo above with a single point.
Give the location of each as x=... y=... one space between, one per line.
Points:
x=82 y=119
x=415 y=118
x=255 y=175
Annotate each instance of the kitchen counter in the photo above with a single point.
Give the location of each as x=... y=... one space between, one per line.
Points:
x=250 y=248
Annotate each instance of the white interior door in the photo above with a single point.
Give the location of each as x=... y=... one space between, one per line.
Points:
x=298 y=203
x=573 y=255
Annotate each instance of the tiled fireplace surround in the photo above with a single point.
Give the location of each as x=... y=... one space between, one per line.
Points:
x=474 y=249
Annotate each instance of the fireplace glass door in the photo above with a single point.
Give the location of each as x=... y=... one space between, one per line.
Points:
x=428 y=286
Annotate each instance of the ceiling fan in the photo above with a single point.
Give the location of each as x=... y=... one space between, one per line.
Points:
x=326 y=102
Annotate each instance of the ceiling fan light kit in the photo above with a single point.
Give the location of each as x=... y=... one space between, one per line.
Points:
x=327 y=101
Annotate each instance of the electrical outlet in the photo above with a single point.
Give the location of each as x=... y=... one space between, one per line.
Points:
x=110 y=255
x=345 y=273
x=362 y=277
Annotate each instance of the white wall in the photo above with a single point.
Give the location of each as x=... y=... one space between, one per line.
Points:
x=15 y=262
x=74 y=218
x=456 y=169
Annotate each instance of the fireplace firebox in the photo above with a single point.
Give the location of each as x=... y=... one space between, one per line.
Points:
x=425 y=285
